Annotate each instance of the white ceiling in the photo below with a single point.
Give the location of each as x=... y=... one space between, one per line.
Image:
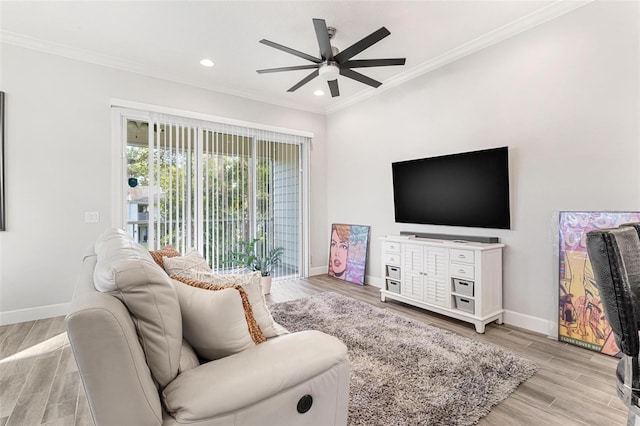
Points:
x=167 y=39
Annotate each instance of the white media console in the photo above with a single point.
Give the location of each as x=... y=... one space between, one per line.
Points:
x=459 y=279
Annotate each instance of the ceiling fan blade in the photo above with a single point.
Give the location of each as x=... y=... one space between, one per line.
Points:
x=323 y=38
x=362 y=63
x=333 y=86
x=359 y=46
x=304 y=81
x=359 y=77
x=291 y=51
x=294 y=68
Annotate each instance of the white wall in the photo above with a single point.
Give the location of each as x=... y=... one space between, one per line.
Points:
x=58 y=142
x=564 y=97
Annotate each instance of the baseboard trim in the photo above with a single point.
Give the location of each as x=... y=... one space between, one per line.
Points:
x=535 y=324
x=368 y=279
x=374 y=281
x=32 y=314
x=321 y=270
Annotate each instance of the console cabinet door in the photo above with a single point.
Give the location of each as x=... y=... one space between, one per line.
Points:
x=425 y=274
x=412 y=271
x=437 y=277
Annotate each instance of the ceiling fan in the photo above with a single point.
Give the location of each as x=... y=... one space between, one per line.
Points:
x=333 y=63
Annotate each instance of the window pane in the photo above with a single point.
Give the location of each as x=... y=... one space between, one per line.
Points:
x=227 y=203
x=137 y=181
x=173 y=178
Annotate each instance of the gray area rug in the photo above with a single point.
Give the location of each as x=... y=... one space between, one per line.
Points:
x=404 y=372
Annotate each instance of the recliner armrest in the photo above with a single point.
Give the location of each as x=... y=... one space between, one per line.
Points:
x=111 y=362
x=237 y=381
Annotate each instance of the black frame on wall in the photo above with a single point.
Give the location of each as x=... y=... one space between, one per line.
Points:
x=2 y=197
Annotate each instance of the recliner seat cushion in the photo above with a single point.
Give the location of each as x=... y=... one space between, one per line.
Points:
x=127 y=270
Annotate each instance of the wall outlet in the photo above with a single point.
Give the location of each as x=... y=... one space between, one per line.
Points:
x=91 y=217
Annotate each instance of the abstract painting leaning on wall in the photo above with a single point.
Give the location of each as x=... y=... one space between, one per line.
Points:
x=582 y=320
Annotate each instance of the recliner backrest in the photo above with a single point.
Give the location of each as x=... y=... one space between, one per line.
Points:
x=635 y=225
x=110 y=359
x=633 y=269
x=126 y=270
x=615 y=258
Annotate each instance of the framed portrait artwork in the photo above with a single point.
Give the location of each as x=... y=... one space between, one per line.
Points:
x=348 y=252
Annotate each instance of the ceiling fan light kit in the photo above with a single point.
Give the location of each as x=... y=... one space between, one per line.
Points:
x=329 y=70
x=333 y=63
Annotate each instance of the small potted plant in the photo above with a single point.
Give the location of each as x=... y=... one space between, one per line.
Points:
x=254 y=260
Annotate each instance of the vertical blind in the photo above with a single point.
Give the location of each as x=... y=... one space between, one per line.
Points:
x=210 y=186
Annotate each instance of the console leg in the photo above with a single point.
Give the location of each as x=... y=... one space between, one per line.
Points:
x=480 y=327
x=499 y=320
x=382 y=298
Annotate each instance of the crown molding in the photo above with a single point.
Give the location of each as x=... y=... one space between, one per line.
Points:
x=66 y=51
x=548 y=13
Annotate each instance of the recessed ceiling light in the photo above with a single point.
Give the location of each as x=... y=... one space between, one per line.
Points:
x=318 y=93
x=206 y=62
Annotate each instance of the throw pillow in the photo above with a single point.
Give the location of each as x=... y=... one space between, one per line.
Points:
x=213 y=322
x=166 y=251
x=183 y=266
x=251 y=284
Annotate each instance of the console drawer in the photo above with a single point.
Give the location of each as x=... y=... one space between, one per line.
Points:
x=462 y=271
x=391 y=258
x=464 y=256
x=390 y=247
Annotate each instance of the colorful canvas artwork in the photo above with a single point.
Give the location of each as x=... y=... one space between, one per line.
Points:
x=348 y=252
x=581 y=317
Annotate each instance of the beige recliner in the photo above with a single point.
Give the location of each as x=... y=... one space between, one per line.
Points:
x=128 y=344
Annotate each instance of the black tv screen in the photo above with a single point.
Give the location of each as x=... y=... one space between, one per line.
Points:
x=469 y=189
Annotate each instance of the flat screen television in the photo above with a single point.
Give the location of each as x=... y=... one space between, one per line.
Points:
x=469 y=189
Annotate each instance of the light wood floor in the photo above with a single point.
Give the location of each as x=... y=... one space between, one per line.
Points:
x=39 y=382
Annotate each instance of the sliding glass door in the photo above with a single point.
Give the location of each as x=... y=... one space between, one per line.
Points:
x=210 y=186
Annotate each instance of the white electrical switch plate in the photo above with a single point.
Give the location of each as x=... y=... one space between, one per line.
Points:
x=91 y=217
